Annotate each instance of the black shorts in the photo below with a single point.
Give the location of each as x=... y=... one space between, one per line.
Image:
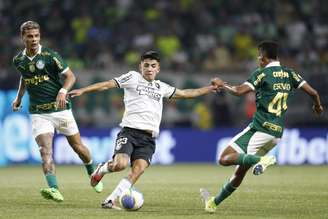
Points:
x=136 y=143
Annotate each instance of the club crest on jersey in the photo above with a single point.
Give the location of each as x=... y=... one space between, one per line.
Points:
x=31 y=67
x=40 y=64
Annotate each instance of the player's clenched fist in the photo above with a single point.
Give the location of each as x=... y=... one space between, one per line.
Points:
x=218 y=82
x=16 y=105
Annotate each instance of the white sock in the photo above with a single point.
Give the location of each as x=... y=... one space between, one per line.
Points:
x=104 y=168
x=122 y=186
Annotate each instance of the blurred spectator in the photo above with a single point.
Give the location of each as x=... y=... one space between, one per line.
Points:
x=221 y=110
x=199 y=37
x=249 y=105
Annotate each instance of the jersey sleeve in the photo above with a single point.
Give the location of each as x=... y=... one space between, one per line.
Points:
x=60 y=63
x=15 y=63
x=126 y=80
x=168 y=90
x=255 y=80
x=297 y=80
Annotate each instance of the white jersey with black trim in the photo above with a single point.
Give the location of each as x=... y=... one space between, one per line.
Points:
x=143 y=101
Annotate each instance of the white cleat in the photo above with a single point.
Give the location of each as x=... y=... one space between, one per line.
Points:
x=110 y=204
x=210 y=205
x=265 y=162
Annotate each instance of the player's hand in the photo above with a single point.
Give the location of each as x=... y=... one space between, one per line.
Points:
x=61 y=100
x=16 y=105
x=75 y=93
x=218 y=82
x=318 y=109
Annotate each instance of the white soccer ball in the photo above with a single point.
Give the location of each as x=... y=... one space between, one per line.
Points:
x=131 y=199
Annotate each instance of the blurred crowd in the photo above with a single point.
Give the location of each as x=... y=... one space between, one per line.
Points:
x=193 y=37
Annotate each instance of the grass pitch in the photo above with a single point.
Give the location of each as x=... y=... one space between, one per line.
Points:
x=169 y=192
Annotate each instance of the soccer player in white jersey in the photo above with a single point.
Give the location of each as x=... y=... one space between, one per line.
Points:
x=143 y=99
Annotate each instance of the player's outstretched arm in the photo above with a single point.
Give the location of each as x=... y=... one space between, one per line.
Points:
x=92 y=88
x=191 y=93
x=234 y=90
x=238 y=90
x=16 y=104
x=317 y=107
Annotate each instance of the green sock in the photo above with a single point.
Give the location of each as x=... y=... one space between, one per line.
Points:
x=89 y=167
x=226 y=190
x=51 y=180
x=247 y=159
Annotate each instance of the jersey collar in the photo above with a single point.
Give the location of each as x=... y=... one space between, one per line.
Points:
x=31 y=58
x=271 y=64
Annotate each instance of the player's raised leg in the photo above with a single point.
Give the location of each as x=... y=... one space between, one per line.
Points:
x=84 y=154
x=231 y=157
x=138 y=168
x=119 y=163
x=44 y=142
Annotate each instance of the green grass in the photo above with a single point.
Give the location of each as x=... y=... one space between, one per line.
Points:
x=169 y=192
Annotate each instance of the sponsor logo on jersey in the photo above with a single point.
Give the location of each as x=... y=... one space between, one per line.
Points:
x=280 y=74
x=297 y=77
x=271 y=126
x=40 y=64
x=125 y=79
x=60 y=66
x=37 y=79
x=149 y=91
x=259 y=79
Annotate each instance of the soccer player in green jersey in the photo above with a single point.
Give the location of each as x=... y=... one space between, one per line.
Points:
x=41 y=71
x=273 y=85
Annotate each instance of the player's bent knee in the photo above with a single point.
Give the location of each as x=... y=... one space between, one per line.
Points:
x=224 y=161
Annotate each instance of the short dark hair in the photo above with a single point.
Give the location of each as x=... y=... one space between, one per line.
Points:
x=28 y=25
x=151 y=54
x=269 y=49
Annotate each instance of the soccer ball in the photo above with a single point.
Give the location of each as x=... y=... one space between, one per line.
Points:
x=131 y=199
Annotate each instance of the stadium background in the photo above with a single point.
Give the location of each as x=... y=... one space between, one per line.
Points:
x=197 y=41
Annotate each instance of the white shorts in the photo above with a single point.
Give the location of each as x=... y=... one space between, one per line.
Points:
x=62 y=121
x=251 y=141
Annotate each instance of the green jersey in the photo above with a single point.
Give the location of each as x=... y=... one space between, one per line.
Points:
x=41 y=75
x=273 y=86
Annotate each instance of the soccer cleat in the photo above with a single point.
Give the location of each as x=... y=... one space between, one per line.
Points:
x=110 y=204
x=96 y=176
x=52 y=193
x=265 y=161
x=210 y=205
x=99 y=187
